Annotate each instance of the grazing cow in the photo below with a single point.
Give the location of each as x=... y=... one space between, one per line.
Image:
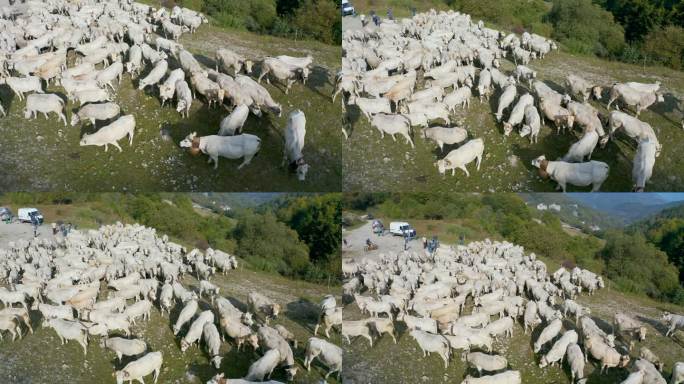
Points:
x=44 y=103
x=460 y=157
x=329 y=354
x=136 y=370
x=592 y=173
x=232 y=124
x=231 y=147
x=294 y=144
x=110 y=134
x=125 y=347
x=95 y=112
x=393 y=124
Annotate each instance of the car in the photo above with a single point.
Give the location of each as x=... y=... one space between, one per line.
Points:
x=347 y=8
x=25 y=214
x=6 y=214
x=400 y=228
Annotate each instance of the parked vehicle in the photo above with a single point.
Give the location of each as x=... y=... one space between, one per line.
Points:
x=24 y=215
x=6 y=214
x=347 y=8
x=400 y=228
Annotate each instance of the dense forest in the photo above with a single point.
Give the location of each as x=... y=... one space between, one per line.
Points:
x=635 y=31
x=296 y=236
x=313 y=19
x=666 y=231
x=620 y=256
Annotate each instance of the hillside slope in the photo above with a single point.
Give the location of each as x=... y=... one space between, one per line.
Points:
x=403 y=362
x=155 y=161
x=62 y=364
x=376 y=164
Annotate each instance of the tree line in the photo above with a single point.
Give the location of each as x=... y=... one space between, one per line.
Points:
x=633 y=31
x=296 y=236
x=631 y=261
x=312 y=19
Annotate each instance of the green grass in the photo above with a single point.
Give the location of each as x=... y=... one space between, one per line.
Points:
x=42 y=155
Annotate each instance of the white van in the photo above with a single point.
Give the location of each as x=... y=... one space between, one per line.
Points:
x=398 y=228
x=24 y=215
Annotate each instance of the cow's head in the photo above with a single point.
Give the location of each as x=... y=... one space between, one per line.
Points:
x=85 y=140
x=187 y=142
x=539 y=161
x=248 y=66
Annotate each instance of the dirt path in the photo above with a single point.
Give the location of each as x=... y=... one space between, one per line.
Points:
x=356 y=240
x=16 y=231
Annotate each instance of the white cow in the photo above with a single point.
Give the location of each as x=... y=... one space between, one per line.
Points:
x=136 y=370
x=592 y=173
x=294 y=143
x=110 y=134
x=44 y=103
x=231 y=147
x=460 y=157
x=232 y=124
x=643 y=163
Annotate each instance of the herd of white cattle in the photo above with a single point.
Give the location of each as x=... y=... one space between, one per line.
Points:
x=431 y=294
x=96 y=282
x=36 y=37
x=381 y=74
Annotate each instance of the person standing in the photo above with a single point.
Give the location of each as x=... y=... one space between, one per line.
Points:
x=54 y=229
x=425 y=242
x=390 y=14
x=34 y=223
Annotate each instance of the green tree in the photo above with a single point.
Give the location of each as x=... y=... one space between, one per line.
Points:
x=270 y=245
x=666 y=46
x=586 y=28
x=638 y=266
x=319 y=19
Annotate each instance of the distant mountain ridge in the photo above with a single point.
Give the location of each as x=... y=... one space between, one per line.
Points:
x=234 y=200
x=628 y=207
x=573 y=211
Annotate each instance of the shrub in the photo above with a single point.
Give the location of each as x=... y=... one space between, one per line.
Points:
x=584 y=27
x=319 y=19
x=666 y=46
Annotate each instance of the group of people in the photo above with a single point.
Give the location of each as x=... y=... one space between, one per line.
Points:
x=376 y=19
x=431 y=245
x=60 y=227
